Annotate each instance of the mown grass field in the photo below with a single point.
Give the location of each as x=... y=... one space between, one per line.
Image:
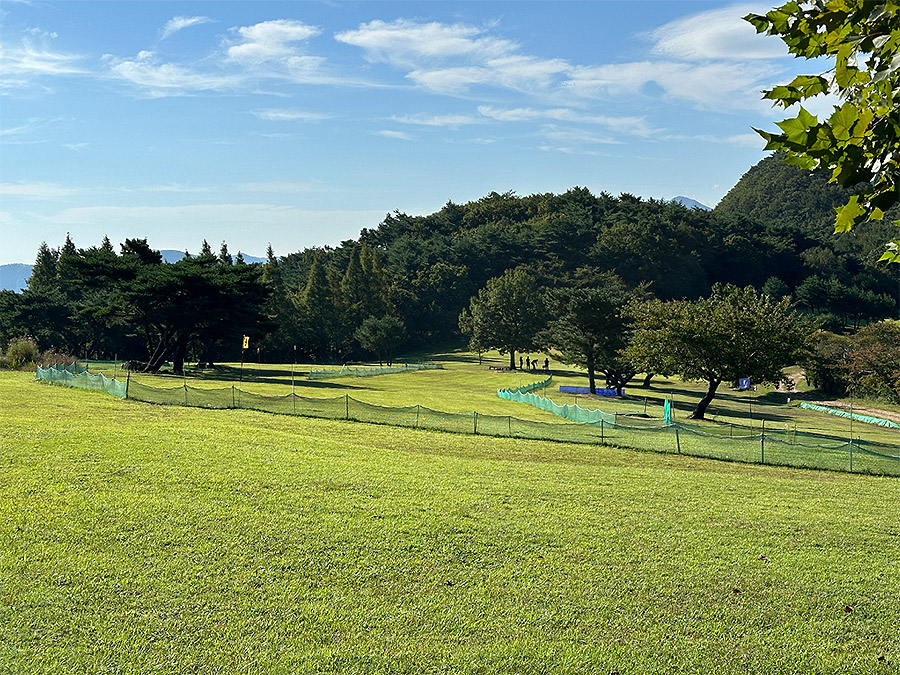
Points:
x=140 y=538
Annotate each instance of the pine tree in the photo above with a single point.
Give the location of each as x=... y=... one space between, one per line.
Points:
x=318 y=313
x=43 y=274
x=224 y=256
x=375 y=282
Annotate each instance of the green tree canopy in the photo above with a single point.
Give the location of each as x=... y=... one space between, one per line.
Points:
x=859 y=143
x=381 y=336
x=589 y=328
x=732 y=334
x=507 y=314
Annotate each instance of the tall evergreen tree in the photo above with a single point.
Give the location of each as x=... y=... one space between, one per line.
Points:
x=318 y=311
x=43 y=274
x=224 y=255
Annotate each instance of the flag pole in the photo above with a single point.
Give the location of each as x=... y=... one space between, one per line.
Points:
x=244 y=345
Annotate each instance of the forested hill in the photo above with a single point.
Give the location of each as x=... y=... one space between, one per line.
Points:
x=415 y=274
x=775 y=192
x=765 y=234
x=436 y=262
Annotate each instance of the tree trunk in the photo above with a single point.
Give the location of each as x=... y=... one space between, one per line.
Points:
x=647 y=378
x=700 y=410
x=158 y=355
x=512 y=359
x=178 y=355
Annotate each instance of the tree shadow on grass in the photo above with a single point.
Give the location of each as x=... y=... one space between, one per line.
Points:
x=263 y=375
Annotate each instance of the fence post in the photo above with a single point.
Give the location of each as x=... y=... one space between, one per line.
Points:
x=509 y=425
x=127 y=382
x=762 y=443
x=232 y=396
x=417 y=415
x=677 y=440
x=851 y=453
x=475 y=421
x=185 y=393
x=602 y=439
x=346 y=406
x=294 y=401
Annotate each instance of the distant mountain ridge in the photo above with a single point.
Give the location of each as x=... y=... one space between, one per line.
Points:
x=171 y=255
x=690 y=203
x=14 y=276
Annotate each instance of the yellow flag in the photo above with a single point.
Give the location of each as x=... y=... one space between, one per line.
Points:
x=246 y=341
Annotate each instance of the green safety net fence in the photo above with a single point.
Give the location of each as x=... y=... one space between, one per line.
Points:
x=352 y=371
x=574 y=412
x=787 y=448
x=868 y=419
x=82 y=380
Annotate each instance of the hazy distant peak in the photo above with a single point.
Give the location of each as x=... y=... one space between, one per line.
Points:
x=690 y=203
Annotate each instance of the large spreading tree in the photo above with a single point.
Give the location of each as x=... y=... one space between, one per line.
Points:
x=859 y=143
x=589 y=328
x=507 y=314
x=732 y=334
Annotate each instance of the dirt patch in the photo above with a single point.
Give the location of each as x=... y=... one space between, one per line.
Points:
x=842 y=405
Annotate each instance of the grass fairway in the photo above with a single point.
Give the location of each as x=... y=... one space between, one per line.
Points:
x=138 y=538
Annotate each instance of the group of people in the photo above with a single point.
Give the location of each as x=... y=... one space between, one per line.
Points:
x=533 y=364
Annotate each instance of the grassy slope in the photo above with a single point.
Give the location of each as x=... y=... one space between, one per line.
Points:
x=137 y=538
x=464 y=386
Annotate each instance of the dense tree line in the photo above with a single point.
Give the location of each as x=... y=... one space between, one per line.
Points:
x=405 y=283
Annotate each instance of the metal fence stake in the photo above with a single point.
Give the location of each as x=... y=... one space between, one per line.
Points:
x=762 y=443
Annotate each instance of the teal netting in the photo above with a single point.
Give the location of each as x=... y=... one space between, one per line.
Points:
x=851 y=415
x=351 y=371
x=82 y=380
x=788 y=448
x=574 y=412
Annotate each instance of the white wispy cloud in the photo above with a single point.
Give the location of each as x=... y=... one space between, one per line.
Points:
x=35 y=58
x=251 y=59
x=168 y=79
x=450 y=120
x=634 y=126
x=575 y=137
x=389 y=133
x=177 y=23
x=290 y=115
x=36 y=190
x=450 y=58
x=717 y=34
x=180 y=188
x=270 y=40
x=713 y=85
x=407 y=43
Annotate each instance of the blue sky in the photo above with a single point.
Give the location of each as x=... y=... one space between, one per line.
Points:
x=299 y=123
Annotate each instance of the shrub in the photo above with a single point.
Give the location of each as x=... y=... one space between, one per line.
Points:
x=21 y=352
